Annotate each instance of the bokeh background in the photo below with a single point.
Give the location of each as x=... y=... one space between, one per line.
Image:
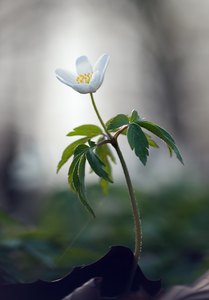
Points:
x=159 y=66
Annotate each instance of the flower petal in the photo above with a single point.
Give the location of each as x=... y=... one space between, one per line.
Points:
x=101 y=64
x=65 y=77
x=83 y=88
x=83 y=65
x=96 y=81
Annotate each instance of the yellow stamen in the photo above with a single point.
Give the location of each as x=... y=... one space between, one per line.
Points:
x=84 y=78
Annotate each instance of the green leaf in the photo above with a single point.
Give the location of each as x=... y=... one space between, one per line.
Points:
x=151 y=142
x=76 y=175
x=78 y=183
x=68 y=152
x=72 y=169
x=162 y=134
x=97 y=165
x=138 y=142
x=105 y=154
x=134 y=116
x=89 y=130
x=92 y=144
x=170 y=150
x=117 y=122
x=79 y=151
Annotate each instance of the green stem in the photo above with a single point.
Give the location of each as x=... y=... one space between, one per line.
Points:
x=99 y=117
x=137 y=222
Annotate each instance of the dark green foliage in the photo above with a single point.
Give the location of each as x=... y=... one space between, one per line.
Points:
x=76 y=175
x=87 y=130
x=73 y=170
x=106 y=156
x=138 y=142
x=99 y=155
x=68 y=152
x=117 y=122
x=134 y=116
x=162 y=134
x=97 y=165
x=79 y=185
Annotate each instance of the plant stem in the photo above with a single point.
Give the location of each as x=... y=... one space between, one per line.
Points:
x=137 y=222
x=99 y=117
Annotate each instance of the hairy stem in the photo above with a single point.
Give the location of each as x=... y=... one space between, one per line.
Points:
x=137 y=222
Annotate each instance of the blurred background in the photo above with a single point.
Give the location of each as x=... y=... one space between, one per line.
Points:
x=159 y=66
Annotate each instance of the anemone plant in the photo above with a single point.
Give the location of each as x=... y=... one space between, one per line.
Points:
x=95 y=142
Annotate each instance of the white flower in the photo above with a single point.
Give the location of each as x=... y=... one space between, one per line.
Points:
x=87 y=78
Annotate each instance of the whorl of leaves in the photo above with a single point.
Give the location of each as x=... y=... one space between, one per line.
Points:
x=98 y=154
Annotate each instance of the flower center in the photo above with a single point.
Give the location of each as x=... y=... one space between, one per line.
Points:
x=84 y=78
